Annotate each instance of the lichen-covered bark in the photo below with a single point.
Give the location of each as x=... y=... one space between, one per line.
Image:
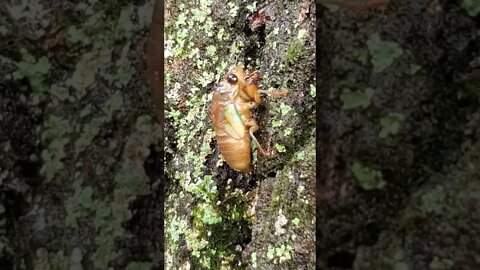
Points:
x=214 y=216
x=439 y=227
x=396 y=121
x=283 y=235
x=78 y=184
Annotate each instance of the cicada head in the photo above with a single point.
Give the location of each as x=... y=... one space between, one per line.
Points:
x=230 y=84
x=236 y=74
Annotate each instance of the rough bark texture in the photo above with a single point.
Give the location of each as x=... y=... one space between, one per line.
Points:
x=400 y=161
x=78 y=165
x=80 y=161
x=217 y=218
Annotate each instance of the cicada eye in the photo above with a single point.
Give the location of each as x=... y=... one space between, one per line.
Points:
x=232 y=78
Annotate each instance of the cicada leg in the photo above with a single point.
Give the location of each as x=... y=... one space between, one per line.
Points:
x=273 y=93
x=252 y=87
x=243 y=95
x=244 y=108
x=253 y=90
x=253 y=128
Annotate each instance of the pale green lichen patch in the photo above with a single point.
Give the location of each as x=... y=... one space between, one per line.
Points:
x=431 y=202
x=368 y=178
x=174 y=228
x=79 y=205
x=280 y=148
x=3 y=30
x=390 y=124
x=33 y=69
x=471 y=6
x=382 y=53
x=279 y=254
x=313 y=90
x=276 y=123
x=296 y=50
x=56 y=136
x=355 y=99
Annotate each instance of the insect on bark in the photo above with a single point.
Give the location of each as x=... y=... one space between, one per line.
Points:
x=233 y=99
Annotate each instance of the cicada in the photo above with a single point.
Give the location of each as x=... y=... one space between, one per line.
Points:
x=234 y=97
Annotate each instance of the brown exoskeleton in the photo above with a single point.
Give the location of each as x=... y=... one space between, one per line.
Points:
x=234 y=98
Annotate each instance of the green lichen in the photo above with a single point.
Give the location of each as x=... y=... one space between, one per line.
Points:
x=31 y=9
x=414 y=68
x=313 y=90
x=440 y=206
x=34 y=70
x=285 y=109
x=282 y=253
x=200 y=41
x=124 y=70
x=287 y=132
x=441 y=264
x=277 y=123
x=431 y=202
x=296 y=221
x=52 y=158
x=300 y=155
x=471 y=6
x=85 y=70
x=252 y=7
x=280 y=148
x=79 y=205
x=175 y=227
x=367 y=177
x=254 y=259
x=383 y=53
x=294 y=52
x=232 y=9
x=91 y=129
x=4 y=30
x=355 y=99
x=390 y=124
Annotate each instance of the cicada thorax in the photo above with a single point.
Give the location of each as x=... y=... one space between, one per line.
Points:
x=250 y=87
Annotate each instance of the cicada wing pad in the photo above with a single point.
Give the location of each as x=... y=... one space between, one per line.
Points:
x=235 y=127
